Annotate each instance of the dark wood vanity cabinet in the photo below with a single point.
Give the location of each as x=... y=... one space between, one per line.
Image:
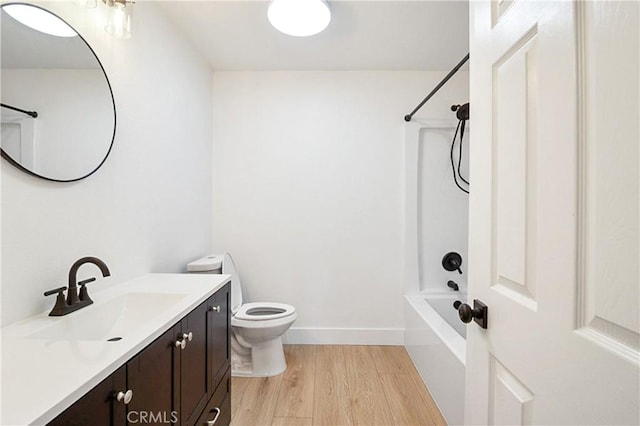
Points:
x=183 y=377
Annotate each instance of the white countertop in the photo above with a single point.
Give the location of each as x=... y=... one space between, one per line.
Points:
x=41 y=377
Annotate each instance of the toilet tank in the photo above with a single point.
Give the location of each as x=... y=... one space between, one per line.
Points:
x=211 y=264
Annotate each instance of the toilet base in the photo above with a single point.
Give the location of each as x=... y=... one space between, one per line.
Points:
x=266 y=359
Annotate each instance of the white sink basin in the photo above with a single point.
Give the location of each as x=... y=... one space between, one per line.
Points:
x=112 y=319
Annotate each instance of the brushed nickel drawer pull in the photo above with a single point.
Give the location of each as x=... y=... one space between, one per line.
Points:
x=215 y=419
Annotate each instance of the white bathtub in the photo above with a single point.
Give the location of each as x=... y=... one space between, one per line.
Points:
x=435 y=342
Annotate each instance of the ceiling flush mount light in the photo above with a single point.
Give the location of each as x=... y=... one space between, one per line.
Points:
x=299 y=18
x=39 y=20
x=119 y=15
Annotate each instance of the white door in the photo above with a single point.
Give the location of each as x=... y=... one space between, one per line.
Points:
x=554 y=213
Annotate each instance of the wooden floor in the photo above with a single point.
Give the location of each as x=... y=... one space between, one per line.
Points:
x=336 y=385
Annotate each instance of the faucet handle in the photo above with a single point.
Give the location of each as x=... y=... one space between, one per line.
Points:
x=54 y=291
x=84 y=295
x=60 y=308
x=87 y=281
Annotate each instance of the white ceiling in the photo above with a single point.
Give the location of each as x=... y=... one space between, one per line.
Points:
x=362 y=35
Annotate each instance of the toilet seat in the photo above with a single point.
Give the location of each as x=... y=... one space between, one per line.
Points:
x=263 y=311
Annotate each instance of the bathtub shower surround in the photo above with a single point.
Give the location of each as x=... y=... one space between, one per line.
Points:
x=436 y=232
x=436 y=212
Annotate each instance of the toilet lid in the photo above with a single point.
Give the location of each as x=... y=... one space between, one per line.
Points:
x=262 y=311
x=229 y=267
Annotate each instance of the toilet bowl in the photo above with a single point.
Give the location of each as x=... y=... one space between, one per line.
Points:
x=256 y=327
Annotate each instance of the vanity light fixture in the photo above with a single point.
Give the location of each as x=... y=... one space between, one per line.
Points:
x=119 y=15
x=299 y=18
x=39 y=20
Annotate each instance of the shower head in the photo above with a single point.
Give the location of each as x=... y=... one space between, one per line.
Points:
x=462 y=111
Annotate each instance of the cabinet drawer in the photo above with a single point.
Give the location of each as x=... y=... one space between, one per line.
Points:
x=218 y=410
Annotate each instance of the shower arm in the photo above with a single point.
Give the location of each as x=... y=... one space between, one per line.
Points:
x=24 y=111
x=455 y=69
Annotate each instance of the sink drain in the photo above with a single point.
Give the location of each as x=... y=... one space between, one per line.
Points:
x=114 y=339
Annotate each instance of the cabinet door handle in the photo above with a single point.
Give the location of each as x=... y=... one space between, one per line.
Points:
x=215 y=418
x=187 y=336
x=181 y=343
x=215 y=308
x=125 y=397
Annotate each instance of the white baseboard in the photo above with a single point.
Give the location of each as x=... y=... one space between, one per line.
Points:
x=344 y=336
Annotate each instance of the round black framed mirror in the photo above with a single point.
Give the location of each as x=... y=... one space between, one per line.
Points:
x=58 y=115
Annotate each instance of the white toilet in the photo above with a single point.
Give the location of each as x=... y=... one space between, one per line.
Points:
x=257 y=327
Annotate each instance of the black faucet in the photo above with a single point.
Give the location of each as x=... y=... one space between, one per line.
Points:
x=453 y=285
x=72 y=294
x=74 y=300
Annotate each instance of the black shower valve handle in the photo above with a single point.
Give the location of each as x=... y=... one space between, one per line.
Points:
x=452 y=261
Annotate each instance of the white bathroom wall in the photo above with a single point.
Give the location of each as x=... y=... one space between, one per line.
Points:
x=148 y=209
x=308 y=192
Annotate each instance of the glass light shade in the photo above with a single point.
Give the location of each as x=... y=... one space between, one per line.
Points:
x=119 y=15
x=299 y=18
x=39 y=20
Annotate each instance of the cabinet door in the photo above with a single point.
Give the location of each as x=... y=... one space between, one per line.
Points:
x=194 y=383
x=150 y=377
x=218 y=328
x=99 y=406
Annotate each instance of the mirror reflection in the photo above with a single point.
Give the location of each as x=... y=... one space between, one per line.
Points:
x=58 y=114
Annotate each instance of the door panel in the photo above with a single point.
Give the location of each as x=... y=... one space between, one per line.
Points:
x=193 y=365
x=514 y=171
x=511 y=403
x=150 y=377
x=554 y=160
x=609 y=291
x=219 y=326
